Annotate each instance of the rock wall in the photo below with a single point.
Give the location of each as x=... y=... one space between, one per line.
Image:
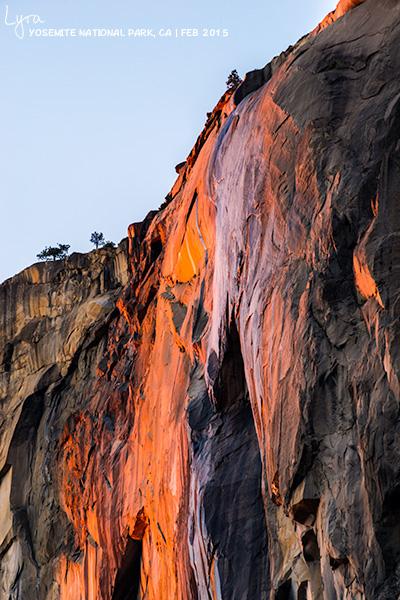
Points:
x=218 y=416
x=54 y=322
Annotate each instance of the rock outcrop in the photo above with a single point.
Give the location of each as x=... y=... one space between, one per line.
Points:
x=215 y=415
x=342 y=8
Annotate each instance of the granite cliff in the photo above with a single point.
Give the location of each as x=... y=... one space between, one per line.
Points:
x=211 y=410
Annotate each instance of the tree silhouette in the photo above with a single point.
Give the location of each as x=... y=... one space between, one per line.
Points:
x=233 y=80
x=58 y=252
x=97 y=238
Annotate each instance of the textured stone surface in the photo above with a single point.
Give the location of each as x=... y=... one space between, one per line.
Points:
x=54 y=321
x=220 y=419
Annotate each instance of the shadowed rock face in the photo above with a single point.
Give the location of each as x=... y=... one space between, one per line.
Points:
x=227 y=471
x=214 y=414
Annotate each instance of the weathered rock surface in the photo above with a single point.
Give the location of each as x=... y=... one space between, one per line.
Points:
x=54 y=321
x=220 y=418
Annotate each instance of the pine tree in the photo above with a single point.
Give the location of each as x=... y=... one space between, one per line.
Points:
x=58 y=252
x=97 y=238
x=233 y=80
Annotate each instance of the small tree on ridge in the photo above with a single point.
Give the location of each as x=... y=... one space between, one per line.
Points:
x=233 y=80
x=97 y=238
x=58 y=252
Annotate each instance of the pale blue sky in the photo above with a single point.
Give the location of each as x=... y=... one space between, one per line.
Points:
x=91 y=129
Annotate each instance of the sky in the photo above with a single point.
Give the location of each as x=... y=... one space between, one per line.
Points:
x=92 y=127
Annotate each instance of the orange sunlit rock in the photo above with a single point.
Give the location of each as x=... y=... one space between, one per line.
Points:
x=210 y=410
x=342 y=8
x=365 y=283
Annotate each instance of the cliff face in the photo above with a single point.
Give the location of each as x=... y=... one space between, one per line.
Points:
x=220 y=418
x=52 y=336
